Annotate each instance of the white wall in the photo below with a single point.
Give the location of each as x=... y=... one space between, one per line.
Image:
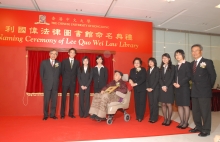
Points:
x=169 y=42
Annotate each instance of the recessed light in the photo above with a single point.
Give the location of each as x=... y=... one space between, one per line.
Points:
x=218 y=6
x=169 y=0
x=159 y=25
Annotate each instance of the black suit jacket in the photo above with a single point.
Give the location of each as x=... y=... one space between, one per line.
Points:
x=100 y=80
x=69 y=75
x=50 y=75
x=152 y=80
x=183 y=74
x=203 y=79
x=85 y=78
x=139 y=78
x=167 y=79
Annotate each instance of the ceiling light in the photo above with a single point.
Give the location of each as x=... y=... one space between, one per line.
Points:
x=169 y=0
x=178 y=14
x=218 y=6
x=212 y=28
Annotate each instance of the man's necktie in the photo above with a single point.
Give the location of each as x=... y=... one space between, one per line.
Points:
x=71 y=64
x=52 y=63
x=194 y=66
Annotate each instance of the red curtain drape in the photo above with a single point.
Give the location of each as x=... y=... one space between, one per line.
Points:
x=34 y=84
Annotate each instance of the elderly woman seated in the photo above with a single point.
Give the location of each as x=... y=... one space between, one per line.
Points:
x=108 y=94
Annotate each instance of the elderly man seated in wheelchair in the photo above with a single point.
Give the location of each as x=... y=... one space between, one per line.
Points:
x=108 y=94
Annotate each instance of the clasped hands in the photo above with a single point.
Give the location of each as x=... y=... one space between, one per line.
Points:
x=149 y=89
x=83 y=87
x=176 y=85
x=132 y=83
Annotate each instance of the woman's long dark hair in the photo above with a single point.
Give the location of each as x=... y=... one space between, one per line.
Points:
x=169 y=63
x=82 y=67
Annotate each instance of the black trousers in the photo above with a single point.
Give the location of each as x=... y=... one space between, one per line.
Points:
x=50 y=95
x=140 y=103
x=201 y=110
x=153 y=104
x=97 y=90
x=63 y=101
x=84 y=102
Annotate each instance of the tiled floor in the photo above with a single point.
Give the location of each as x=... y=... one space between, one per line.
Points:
x=177 y=138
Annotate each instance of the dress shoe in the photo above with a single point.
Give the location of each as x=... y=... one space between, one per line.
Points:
x=62 y=117
x=168 y=123
x=99 y=118
x=179 y=126
x=72 y=116
x=184 y=127
x=93 y=116
x=152 y=121
x=45 y=118
x=195 y=130
x=54 y=117
x=164 y=122
x=139 y=120
x=203 y=134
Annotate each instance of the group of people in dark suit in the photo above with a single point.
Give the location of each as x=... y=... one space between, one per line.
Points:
x=172 y=82
x=70 y=69
x=165 y=84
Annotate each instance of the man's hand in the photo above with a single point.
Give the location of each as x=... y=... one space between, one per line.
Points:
x=149 y=89
x=82 y=87
x=134 y=84
x=164 y=88
x=176 y=85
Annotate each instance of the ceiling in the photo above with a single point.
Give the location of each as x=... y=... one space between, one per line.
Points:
x=189 y=15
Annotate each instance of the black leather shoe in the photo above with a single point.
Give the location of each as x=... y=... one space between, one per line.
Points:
x=93 y=116
x=179 y=126
x=168 y=123
x=99 y=118
x=184 y=127
x=45 y=118
x=54 y=117
x=152 y=121
x=72 y=116
x=164 y=122
x=195 y=130
x=203 y=134
x=62 y=117
x=139 y=120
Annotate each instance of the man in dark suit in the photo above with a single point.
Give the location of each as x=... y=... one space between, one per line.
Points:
x=203 y=79
x=69 y=70
x=50 y=71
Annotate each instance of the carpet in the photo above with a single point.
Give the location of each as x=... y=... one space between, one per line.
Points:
x=33 y=128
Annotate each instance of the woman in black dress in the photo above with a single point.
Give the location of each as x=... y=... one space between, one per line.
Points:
x=100 y=75
x=182 y=91
x=167 y=71
x=84 y=79
x=153 y=89
x=137 y=79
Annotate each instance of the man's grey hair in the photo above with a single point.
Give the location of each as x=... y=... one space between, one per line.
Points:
x=197 y=45
x=53 y=50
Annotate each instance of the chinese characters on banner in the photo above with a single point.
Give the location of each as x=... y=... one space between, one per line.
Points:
x=50 y=30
